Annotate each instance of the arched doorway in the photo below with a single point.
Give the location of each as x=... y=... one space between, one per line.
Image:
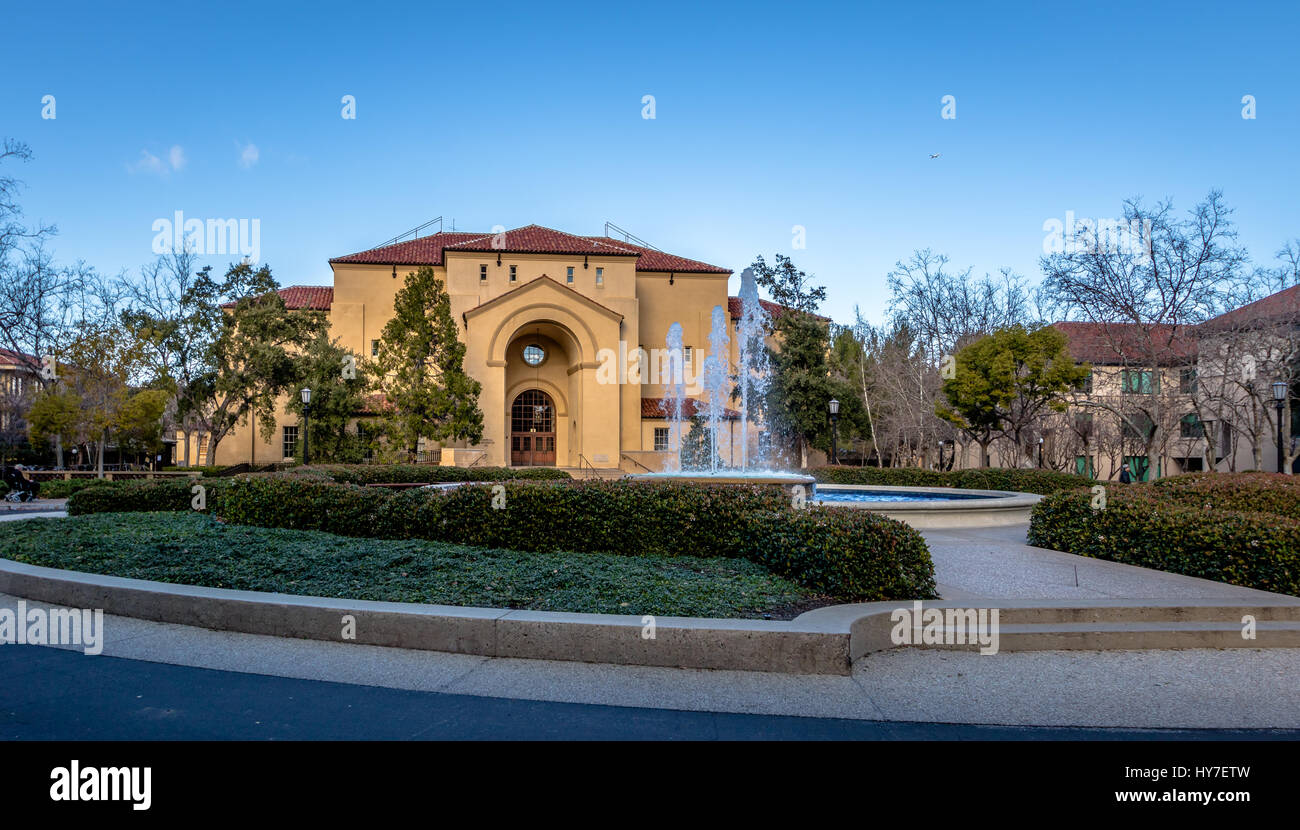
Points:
x=532 y=429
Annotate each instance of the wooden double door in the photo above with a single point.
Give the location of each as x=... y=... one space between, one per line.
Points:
x=532 y=430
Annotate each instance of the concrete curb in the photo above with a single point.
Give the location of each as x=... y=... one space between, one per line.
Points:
x=747 y=645
x=824 y=641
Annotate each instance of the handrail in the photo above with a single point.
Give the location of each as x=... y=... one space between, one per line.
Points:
x=582 y=458
x=481 y=457
x=634 y=461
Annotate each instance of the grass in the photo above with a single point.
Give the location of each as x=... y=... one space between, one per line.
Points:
x=194 y=549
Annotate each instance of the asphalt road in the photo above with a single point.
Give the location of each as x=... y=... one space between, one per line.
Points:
x=55 y=694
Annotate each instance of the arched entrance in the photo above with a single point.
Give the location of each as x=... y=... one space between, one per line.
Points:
x=532 y=429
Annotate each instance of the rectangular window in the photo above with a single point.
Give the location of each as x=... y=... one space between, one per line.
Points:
x=1086 y=386
x=686 y=355
x=1137 y=382
x=514 y=273
x=661 y=439
x=1191 y=427
x=482 y=273
x=1187 y=381
x=600 y=276
x=568 y=277
x=1085 y=466
x=290 y=441
x=374 y=348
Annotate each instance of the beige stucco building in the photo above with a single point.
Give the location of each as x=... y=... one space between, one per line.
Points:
x=549 y=319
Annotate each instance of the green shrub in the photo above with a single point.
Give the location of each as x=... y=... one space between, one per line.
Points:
x=1274 y=493
x=844 y=552
x=1012 y=479
x=426 y=473
x=849 y=554
x=143 y=495
x=58 y=488
x=1137 y=527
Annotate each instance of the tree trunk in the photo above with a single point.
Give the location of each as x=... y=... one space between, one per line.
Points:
x=99 y=461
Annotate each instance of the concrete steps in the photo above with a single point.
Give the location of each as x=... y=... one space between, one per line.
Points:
x=1147 y=635
x=1095 y=626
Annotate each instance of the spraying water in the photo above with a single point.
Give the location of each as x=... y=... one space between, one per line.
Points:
x=674 y=380
x=752 y=375
x=716 y=381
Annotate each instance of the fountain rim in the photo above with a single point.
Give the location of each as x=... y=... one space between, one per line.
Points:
x=986 y=499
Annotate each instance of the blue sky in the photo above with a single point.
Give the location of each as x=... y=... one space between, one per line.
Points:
x=767 y=117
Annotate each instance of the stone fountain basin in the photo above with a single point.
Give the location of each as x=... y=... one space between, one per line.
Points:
x=952 y=507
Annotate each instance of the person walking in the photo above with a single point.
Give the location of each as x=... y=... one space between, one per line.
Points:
x=1124 y=476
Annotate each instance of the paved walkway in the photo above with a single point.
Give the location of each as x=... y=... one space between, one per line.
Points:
x=50 y=694
x=1189 y=689
x=998 y=563
x=1219 y=689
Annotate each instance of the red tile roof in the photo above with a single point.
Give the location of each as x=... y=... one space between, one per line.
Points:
x=428 y=250
x=303 y=297
x=1275 y=308
x=1128 y=344
x=18 y=359
x=663 y=408
x=652 y=260
x=534 y=239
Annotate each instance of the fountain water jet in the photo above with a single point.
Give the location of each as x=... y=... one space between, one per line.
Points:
x=716 y=382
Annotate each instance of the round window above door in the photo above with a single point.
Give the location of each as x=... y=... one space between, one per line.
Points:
x=534 y=355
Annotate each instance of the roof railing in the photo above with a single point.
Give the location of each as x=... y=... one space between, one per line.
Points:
x=400 y=237
x=629 y=236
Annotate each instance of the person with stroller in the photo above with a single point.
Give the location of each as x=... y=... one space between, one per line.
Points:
x=21 y=488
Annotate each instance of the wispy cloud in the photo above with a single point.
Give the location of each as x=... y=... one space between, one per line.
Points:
x=248 y=154
x=149 y=163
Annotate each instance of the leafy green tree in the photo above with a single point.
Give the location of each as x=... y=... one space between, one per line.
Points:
x=698 y=451
x=802 y=384
x=255 y=357
x=1004 y=382
x=338 y=385
x=139 y=421
x=420 y=369
x=54 y=416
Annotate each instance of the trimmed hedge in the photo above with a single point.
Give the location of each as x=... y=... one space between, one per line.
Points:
x=1274 y=493
x=425 y=473
x=144 y=496
x=845 y=553
x=58 y=488
x=1254 y=550
x=1016 y=480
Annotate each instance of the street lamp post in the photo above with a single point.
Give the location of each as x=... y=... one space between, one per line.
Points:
x=834 y=407
x=1279 y=400
x=306 y=425
x=1040 y=452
